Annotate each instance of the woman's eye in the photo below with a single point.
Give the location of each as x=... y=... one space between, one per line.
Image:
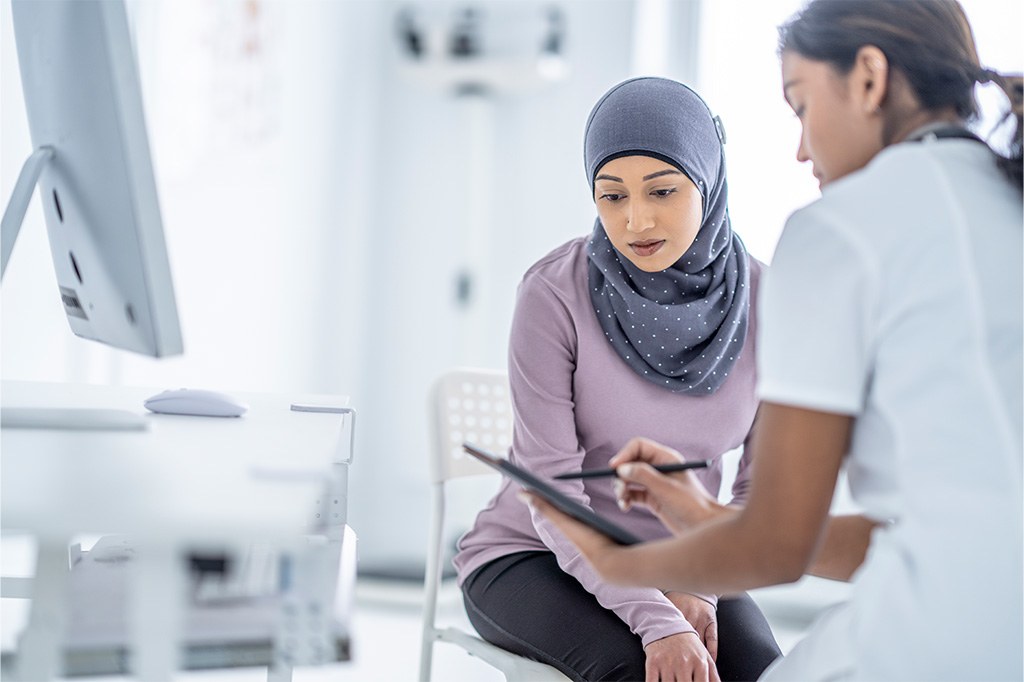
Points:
x=799 y=112
x=608 y=196
x=664 y=192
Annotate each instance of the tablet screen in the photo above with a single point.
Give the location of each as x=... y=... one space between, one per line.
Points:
x=552 y=495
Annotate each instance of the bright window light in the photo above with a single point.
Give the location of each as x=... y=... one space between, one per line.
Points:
x=740 y=79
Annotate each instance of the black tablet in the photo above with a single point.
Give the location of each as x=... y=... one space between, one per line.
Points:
x=549 y=493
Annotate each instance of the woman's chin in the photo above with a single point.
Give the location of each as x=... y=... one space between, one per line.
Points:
x=651 y=264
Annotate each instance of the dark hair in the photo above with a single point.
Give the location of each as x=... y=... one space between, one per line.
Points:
x=929 y=42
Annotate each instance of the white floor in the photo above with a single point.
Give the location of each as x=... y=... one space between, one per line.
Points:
x=386 y=629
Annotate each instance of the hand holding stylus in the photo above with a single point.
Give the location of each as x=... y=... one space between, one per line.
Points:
x=678 y=499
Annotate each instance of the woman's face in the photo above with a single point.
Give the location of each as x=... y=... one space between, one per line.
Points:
x=839 y=115
x=650 y=210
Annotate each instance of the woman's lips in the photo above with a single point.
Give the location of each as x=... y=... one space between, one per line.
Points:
x=647 y=247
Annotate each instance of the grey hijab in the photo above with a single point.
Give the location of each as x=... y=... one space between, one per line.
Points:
x=682 y=328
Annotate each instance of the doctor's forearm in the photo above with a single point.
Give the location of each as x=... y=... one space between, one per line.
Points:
x=729 y=554
x=723 y=557
x=843 y=547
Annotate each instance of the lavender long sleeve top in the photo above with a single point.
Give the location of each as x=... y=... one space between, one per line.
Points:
x=576 y=403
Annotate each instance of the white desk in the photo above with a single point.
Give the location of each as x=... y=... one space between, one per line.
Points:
x=184 y=484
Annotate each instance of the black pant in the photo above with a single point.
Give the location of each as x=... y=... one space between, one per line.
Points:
x=526 y=604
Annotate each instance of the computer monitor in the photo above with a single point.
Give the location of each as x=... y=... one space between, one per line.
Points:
x=92 y=165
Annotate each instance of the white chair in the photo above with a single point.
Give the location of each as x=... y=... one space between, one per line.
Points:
x=467 y=405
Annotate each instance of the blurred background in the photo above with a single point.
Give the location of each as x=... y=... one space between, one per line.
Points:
x=351 y=191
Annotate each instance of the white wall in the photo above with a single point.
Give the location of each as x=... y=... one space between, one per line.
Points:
x=539 y=200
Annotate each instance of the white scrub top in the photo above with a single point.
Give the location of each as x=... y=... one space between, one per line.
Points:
x=897 y=298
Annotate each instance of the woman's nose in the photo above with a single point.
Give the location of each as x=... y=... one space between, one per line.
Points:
x=801 y=151
x=640 y=218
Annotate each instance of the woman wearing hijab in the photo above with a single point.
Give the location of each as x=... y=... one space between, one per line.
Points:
x=890 y=343
x=645 y=325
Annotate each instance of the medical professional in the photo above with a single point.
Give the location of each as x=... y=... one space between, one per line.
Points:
x=890 y=341
x=645 y=324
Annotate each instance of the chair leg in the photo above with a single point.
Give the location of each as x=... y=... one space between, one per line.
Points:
x=426 y=659
x=430 y=584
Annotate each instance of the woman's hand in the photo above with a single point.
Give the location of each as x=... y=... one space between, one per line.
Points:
x=678 y=500
x=701 y=615
x=679 y=658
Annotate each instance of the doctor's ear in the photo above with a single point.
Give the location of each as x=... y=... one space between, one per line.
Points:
x=869 y=78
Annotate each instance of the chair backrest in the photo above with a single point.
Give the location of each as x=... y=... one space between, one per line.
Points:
x=469 y=405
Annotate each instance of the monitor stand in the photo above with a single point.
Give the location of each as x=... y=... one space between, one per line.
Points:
x=74 y=419
x=14 y=214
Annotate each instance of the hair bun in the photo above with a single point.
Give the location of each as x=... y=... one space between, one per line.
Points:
x=988 y=76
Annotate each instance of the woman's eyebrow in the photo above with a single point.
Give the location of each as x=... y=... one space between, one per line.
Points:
x=667 y=171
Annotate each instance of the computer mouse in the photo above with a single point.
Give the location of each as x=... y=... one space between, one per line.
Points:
x=196 y=402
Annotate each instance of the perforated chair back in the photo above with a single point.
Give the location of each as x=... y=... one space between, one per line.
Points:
x=471 y=405
x=467 y=405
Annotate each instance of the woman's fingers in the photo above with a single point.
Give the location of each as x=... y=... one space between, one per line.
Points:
x=644 y=485
x=627 y=495
x=644 y=475
x=711 y=639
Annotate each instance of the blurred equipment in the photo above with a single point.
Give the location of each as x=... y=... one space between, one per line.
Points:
x=410 y=34
x=556 y=31
x=465 y=50
x=465 y=38
x=225 y=553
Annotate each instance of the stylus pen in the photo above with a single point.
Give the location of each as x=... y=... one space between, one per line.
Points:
x=663 y=468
